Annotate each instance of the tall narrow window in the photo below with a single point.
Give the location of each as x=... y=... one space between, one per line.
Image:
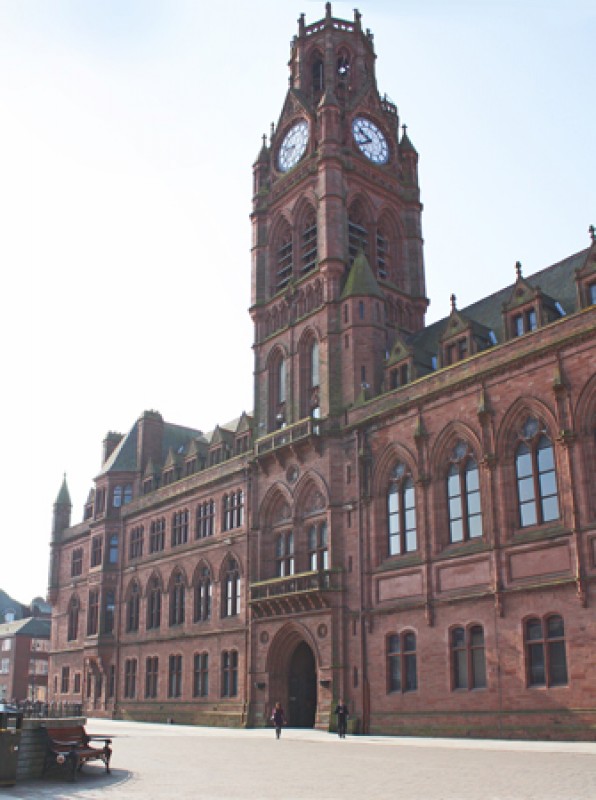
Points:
x=73 y=620
x=401 y=512
x=233 y=510
x=154 y=605
x=546 y=661
x=180 y=528
x=314 y=365
x=76 y=566
x=201 y=675
x=205 y=519
x=151 y=676
x=402 y=671
x=357 y=232
x=175 y=676
x=130 y=678
x=108 y=611
x=96 y=551
x=284 y=258
x=536 y=477
x=132 y=608
x=309 y=243
x=202 y=604
x=318 y=75
x=157 y=535
x=135 y=547
x=382 y=254
x=113 y=549
x=177 y=600
x=284 y=554
x=318 y=552
x=229 y=668
x=93 y=613
x=468 y=666
x=463 y=495
x=231 y=594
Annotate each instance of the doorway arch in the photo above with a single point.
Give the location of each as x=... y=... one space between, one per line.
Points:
x=302 y=687
x=292 y=667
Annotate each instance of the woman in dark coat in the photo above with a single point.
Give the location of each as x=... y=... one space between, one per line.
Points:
x=279 y=719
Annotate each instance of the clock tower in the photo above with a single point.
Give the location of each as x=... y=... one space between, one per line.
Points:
x=337 y=261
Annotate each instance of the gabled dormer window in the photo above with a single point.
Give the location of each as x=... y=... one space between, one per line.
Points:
x=400 y=375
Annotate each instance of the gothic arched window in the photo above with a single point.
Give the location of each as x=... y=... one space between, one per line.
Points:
x=536 y=476
x=177 y=600
x=309 y=243
x=231 y=590
x=202 y=604
x=154 y=604
x=283 y=258
x=401 y=512
x=463 y=495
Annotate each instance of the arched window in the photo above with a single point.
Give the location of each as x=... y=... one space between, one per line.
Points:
x=318 y=75
x=401 y=513
x=314 y=364
x=154 y=604
x=202 y=604
x=133 y=605
x=309 y=243
x=546 y=661
x=401 y=662
x=231 y=590
x=283 y=258
x=177 y=600
x=536 y=476
x=463 y=495
x=277 y=391
x=73 y=620
x=468 y=666
x=357 y=231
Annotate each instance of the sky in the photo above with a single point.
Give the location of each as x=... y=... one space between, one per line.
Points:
x=128 y=131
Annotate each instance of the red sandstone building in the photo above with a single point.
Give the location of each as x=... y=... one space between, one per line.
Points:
x=407 y=520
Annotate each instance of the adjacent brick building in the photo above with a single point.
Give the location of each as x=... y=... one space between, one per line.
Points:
x=407 y=519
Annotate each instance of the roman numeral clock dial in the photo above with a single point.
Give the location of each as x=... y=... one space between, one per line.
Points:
x=370 y=140
x=293 y=146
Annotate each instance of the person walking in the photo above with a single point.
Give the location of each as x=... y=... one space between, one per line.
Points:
x=279 y=718
x=342 y=718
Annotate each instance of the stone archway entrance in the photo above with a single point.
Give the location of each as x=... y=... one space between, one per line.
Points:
x=302 y=687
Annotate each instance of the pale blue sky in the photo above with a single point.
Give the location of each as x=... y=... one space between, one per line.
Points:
x=126 y=145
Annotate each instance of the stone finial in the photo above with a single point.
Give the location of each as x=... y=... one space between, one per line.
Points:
x=592 y=232
x=301 y=25
x=518 y=269
x=327 y=10
x=453 y=306
x=404 y=128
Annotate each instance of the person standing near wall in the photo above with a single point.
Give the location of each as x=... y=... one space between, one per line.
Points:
x=342 y=718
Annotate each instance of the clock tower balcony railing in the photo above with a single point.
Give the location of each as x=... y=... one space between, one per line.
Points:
x=291 y=438
x=305 y=591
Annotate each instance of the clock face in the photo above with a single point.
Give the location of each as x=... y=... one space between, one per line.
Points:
x=293 y=146
x=370 y=140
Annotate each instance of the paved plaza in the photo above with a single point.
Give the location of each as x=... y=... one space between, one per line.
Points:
x=176 y=762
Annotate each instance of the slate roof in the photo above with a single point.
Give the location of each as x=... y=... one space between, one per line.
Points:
x=30 y=626
x=556 y=281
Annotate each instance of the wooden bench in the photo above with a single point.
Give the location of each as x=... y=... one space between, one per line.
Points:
x=70 y=748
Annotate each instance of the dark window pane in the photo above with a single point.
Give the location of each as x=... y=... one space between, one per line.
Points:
x=557 y=663
x=536 y=671
x=411 y=678
x=478 y=669
x=555 y=626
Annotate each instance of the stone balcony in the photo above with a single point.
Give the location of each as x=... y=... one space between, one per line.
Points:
x=290 y=442
x=306 y=591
